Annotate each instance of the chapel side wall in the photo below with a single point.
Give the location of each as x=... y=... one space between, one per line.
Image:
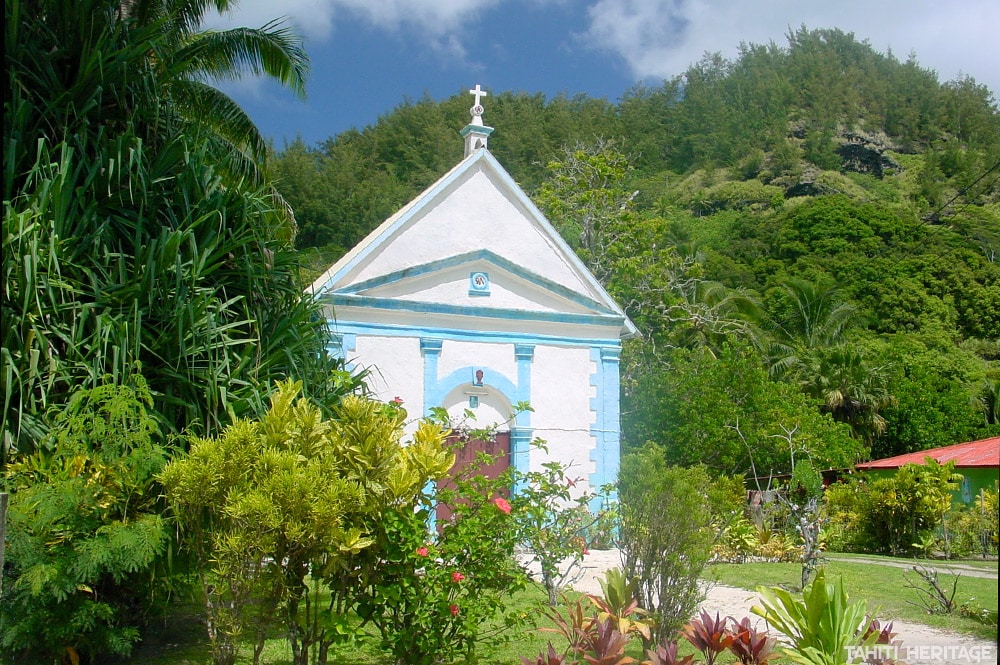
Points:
x=562 y=399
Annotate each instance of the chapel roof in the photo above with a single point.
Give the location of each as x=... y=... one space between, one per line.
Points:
x=474 y=218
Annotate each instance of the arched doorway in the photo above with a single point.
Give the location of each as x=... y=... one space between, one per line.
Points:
x=491 y=409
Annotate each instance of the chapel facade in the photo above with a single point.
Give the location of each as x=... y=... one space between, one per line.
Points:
x=468 y=299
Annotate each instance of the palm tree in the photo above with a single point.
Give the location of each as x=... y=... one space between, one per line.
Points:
x=817 y=318
x=190 y=58
x=849 y=388
x=131 y=240
x=810 y=346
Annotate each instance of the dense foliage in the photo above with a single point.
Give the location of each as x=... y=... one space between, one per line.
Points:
x=833 y=210
x=138 y=228
x=150 y=287
x=86 y=531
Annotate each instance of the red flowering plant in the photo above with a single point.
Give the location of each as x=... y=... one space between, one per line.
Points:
x=438 y=591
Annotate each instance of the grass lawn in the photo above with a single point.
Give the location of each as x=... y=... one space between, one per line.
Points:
x=884 y=587
x=181 y=639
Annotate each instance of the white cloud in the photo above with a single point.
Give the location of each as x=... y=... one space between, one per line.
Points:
x=439 y=20
x=660 y=38
x=313 y=18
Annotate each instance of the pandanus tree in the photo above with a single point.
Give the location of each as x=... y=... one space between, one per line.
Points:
x=139 y=233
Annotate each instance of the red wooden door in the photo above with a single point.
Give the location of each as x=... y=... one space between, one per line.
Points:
x=465 y=454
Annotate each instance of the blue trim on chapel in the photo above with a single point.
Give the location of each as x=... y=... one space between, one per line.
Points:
x=434 y=395
x=521 y=433
x=606 y=429
x=463 y=259
x=341 y=344
x=391 y=304
x=458 y=334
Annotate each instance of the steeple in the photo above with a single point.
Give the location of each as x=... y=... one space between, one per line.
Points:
x=476 y=134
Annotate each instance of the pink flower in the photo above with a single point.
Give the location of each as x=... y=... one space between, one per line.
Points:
x=422 y=551
x=502 y=504
x=585 y=551
x=397 y=400
x=457 y=577
x=454 y=610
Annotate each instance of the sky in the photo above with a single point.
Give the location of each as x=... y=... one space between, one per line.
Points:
x=369 y=56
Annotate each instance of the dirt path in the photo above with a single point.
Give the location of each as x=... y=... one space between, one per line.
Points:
x=940 y=566
x=922 y=645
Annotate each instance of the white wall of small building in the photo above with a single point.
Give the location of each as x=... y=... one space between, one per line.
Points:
x=561 y=391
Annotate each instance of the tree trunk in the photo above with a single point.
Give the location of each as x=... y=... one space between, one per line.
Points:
x=3 y=534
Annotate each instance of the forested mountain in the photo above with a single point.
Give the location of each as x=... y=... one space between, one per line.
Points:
x=807 y=236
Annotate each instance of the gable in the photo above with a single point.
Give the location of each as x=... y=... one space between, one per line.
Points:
x=508 y=286
x=475 y=218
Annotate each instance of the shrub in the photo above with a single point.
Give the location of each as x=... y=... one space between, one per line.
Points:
x=666 y=535
x=891 y=514
x=270 y=504
x=552 y=524
x=430 y=598
x=841 y=517
x=823 y=625
x=972 y=530
x=85 y=531
x=431 y=595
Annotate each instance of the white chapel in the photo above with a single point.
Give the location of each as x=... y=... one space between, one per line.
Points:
x=468 y=298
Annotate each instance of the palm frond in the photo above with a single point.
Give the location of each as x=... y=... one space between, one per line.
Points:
x=273 y=50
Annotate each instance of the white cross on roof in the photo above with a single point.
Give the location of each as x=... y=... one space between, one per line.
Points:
x=478 y=92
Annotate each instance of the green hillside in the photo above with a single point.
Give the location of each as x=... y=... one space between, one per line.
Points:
x=807 y=236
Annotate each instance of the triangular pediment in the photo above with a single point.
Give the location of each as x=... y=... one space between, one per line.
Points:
x=475 y=219
x=501 y=285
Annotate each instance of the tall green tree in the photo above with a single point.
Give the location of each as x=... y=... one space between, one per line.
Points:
x=587 y=200
x=730 y=415
x=137 y=226
x=809 y=345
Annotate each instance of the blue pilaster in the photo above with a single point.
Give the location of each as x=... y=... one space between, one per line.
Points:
x=431 y=350
x=521 y=433
x=606 y=428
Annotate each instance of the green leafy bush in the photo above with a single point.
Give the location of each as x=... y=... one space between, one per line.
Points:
x=841 y=517
x=85 y=530
x=553 y=525
x=272 y=508
x=822 y=625
x=666 y=534
x=972 y=530
x=431 y=598
x=891 y=514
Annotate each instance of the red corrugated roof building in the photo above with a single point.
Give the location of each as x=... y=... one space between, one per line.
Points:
x=983 y=453
x=977 y=461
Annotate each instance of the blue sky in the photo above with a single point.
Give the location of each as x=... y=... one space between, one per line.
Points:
x=368 y=56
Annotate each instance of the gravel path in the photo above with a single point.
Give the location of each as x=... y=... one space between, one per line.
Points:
x=940 y=566
x=923 y=645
